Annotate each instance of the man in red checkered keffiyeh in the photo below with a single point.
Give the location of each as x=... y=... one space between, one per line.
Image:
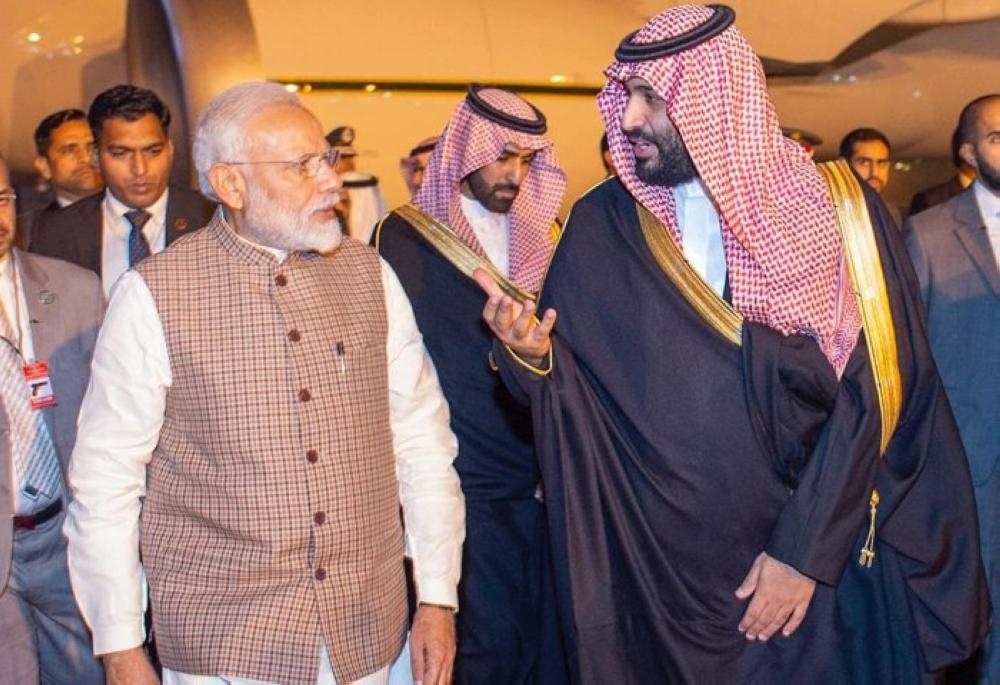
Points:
x=489 y=198
x=510 y=172
x=705 y=411
x=782 y=245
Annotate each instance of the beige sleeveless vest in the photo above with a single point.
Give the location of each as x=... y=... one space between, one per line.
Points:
x=271 y=522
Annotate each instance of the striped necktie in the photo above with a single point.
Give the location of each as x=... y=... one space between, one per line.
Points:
x=138 y=246
x=36 y=465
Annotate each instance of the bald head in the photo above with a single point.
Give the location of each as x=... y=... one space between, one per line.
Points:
x=979 y=131
x=970 y=113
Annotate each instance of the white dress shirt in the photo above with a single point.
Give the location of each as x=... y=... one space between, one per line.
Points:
x=15 y=307
x=114 y=236
x=701 y=233
x=492 y=231
x=119 y=426
x=989 y=209
x=15 y=310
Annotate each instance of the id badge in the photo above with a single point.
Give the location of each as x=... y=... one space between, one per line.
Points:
x=36 y=376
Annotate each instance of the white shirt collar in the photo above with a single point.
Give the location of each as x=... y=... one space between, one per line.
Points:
x=989 y=203
x=692 y=188
x=492 y=230
x=474 y=211
x=117 y=209
x=280 y=255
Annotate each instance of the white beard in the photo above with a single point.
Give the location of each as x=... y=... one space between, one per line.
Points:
x=277 y=226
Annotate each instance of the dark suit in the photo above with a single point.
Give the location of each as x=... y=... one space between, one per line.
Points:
x=37 y=611
x=935 y=195
x=26 y=222
x=960 y=284
x=74 y=233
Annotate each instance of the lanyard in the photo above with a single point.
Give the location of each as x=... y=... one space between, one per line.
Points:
x=17 y=330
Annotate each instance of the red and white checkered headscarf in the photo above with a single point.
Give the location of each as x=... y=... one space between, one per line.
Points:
x=783 y=246
x=470 y=142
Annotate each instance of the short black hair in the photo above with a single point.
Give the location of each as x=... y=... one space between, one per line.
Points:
x=43 y=134
x=128 y=102
x=967 y=119
x=861 y=135
x=956 y=144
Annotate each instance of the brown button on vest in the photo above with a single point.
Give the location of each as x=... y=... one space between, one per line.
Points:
x=245 y=582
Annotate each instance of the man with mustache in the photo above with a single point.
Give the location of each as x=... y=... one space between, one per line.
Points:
x=267 y=427
x=489 y=200
x=139 y=213
x=867 y=150
x=752 y=474
x=65 y=160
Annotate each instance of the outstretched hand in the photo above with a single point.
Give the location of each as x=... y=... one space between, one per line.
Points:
x=781 y=597
x=514 y=323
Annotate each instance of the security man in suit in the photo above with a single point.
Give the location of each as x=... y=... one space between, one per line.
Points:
x=139 y=214
x=955 y=248
x=50 y=312
x=65 y=161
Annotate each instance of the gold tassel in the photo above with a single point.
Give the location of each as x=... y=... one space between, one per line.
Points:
x=868 y=549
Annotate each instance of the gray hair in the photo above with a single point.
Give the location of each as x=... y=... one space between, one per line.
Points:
x=220 y=136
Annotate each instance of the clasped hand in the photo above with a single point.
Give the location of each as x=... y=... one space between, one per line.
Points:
x=781 y=597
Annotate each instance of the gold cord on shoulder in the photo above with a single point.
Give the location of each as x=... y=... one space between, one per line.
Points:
x=718 y=313
x=460 y=255
x=865 y=268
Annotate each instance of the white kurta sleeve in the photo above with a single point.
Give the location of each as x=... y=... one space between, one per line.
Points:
x=425 y=447
x=119 y=426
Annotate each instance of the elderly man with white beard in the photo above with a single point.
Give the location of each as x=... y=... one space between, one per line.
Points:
x=267 y=429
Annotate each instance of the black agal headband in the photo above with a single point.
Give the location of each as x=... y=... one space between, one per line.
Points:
x=478 y=105
x=718 y=22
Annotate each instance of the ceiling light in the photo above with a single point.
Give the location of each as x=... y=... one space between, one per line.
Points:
x=558 y=78
x=77 y=40
x=34 y=37
x=292 y=87
x=370 y=88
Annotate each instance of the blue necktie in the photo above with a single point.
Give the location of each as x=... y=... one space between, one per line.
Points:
x=138 y=246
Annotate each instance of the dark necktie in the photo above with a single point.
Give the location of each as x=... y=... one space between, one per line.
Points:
x=138 y=246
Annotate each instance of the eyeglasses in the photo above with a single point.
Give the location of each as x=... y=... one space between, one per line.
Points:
x=307 y=166
x=7 y=198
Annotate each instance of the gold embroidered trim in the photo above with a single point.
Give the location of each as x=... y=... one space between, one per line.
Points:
x=718 y=313
x=867 y=278
x=452 y=248
x=528 y=365
x=869 y=286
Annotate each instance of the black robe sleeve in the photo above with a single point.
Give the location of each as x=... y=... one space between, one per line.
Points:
x=926 y=514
